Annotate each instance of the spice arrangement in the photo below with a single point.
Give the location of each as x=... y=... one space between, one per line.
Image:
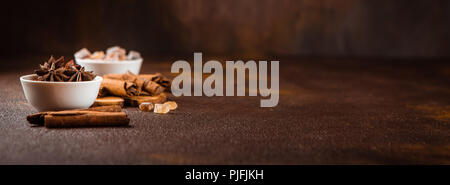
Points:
x=58 y=70
x=115 y=53
x=144 y=91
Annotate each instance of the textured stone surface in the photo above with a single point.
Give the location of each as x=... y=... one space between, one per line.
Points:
x=330 y=112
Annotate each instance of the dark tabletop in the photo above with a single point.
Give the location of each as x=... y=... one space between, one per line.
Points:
x=331 y=111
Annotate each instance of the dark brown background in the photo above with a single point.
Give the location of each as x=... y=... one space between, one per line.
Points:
x=330 y=28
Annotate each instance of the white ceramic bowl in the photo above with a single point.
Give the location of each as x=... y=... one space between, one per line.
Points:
x=47 y=96
x=102 y=67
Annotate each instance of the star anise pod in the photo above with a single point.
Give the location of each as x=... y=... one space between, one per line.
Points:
x=51 y=74
x=58 y=70
x=44 y=68
x=78 y=74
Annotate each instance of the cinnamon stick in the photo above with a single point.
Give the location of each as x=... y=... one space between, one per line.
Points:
x=95 y=116
x=153 y=88
x=129 y=76
x=86 y=118
x=129 y=84
x=119 y=87
x=111 y=108
x=157 y=77
x=108 y=100
x=135 y=101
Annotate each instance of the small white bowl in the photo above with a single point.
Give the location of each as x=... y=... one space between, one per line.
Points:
x=102 y=67
x=53 y=96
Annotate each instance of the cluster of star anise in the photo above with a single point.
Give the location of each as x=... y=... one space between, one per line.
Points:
x=57 y=70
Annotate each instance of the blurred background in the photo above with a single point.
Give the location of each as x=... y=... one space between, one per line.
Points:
x=250 y=28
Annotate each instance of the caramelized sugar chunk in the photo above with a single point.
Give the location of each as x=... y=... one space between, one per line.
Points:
x=146 y=106
x=98 y=55
x=161 y=109
x=133 y=55
x=171 y=104
x=83 y=53
x=115 y=53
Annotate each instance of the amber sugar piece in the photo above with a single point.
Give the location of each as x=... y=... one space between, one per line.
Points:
x=83 y=53
x=161 y=109
x=171 y=104
x=146 y=106
x=98 y=55
x=115 y=53
x=133 y=55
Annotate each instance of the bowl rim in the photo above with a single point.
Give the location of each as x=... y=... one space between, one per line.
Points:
x=99 y=61
x=22 y=79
